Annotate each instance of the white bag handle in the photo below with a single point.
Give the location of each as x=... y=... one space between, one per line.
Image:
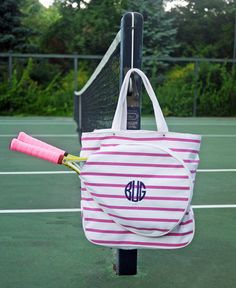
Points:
x=120 y=117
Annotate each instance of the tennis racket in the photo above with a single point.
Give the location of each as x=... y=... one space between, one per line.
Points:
x=34 y=147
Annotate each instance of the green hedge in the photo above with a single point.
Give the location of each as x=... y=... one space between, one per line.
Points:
x=31 y=92
x=215 y=87
x=26 y=96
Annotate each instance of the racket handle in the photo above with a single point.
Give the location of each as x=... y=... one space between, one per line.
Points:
x=49 y=155
x=35 y=142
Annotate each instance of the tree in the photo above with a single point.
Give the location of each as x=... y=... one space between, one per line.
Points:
x=159 y=32
x=38 y=18
x=86 y=29
x=205 y=28
x=13 y=35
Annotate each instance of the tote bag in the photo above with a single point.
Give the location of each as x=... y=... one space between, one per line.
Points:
x=137 y=185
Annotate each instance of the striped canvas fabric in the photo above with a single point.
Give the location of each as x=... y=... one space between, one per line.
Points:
x=137 y=186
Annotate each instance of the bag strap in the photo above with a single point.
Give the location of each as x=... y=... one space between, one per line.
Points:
x=120 y=117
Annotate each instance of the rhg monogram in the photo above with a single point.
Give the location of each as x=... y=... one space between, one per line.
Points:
x=135 y=191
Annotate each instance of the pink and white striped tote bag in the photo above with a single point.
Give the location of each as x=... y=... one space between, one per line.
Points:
x=137 y=185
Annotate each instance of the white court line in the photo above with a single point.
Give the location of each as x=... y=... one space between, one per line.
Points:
x=43 y=135
x=230 y=123
x=76 y=135
x=37 y=172
x=72 y=172
x=215 y=170
x=29 y=122
x=219 y=135
x=191 y=124
x=15 y=211
x=71 y=210
x=214 y=206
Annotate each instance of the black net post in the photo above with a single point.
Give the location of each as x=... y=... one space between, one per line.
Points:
x=131 y=57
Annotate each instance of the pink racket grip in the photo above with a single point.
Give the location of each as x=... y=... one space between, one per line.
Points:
x=49 y=155
x=35 y=142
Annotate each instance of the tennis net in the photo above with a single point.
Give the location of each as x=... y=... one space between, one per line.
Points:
x=96 y=102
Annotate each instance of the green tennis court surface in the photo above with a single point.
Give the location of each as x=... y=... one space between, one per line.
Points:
x=48 y=249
